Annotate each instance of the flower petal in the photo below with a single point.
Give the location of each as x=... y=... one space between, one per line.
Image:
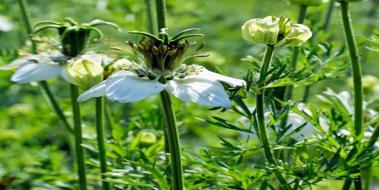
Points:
x=209 y=75
x=96 y=91
x=199 y=90
x=15 y=64
x=36 y=72
x=125 y=86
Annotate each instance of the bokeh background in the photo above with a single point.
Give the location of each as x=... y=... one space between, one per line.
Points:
x=32 y=140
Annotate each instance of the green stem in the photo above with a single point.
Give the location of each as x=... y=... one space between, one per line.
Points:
x=101 y=141
x=269 y=155
x=78 y=138
x=347 y=184
x=171 y=131
x=43 y=84
x=374 y=137
x=55 y=105
x=296 y=51
x=161 y=14
x=150 y=17
x=328 y=17
x=358 y=184
x=108 y=117
x=325 y=28
x=357 y=73
x=28 y=26
x=356 y=70
x=173 y=141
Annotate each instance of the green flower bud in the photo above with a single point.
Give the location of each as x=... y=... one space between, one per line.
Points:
x=275 y=31
x=369 y=83
x=298 y=35
x=85 y=73
x=146 y=137
x=307 y=2
x=264 y=30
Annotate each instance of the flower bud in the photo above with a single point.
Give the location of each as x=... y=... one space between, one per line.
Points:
x=298 y=35
x=275 y=31
x=307 y=2
x=85 y=73
x=264 y=30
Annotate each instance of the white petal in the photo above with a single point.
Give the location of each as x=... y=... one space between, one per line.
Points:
x=64 y=74
x=125 y=86
x=209 y=75
x=96 y=91
x=5 y=24
x=199 y=90
x=15 y=64
x=36 y=72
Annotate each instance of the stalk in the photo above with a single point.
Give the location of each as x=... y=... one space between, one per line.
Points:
x=269 y=155
x=151 y=28
x=78 y=138
x=169 y=116
x=173 y=141
x=356 y=70
x=357 y=76
x=108 y=117
x=347 y=184
x=325 y=28
x=296 y=50
x=328 y=17
x=150 y=17
x=43 y=84
x=101 y=141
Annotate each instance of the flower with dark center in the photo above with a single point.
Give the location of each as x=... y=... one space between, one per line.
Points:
x=157 y=65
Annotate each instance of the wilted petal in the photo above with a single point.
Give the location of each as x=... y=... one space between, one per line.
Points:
x=96 y=91
x=199 y=90
x=125 y=86
x=36 y=72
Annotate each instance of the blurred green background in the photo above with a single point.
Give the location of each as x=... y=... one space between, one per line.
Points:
x=33 y=142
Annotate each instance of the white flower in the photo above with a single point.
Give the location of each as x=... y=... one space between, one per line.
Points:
x=5 y=24
x=43 y=66
x=189 y=83
x=37 y=67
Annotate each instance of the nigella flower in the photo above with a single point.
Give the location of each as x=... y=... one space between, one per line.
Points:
x=74 y=38
x=157 y=66
x=37 y=67
x=44 y=66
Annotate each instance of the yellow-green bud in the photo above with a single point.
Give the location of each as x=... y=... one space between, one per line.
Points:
x=85 y=73
x=275 y=31
x=264 y=30
x=298 y=35
x=369 y=83
x=146 y=137
x=307 y=2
